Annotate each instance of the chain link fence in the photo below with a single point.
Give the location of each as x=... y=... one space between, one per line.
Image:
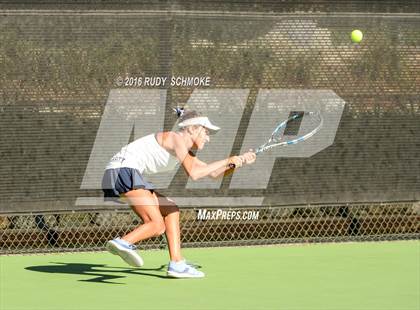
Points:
x=62 y=60
x=89 y=231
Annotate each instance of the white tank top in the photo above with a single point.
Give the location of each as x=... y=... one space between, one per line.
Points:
x=144 y=154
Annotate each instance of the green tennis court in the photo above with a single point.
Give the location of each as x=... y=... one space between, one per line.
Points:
x=383 y=275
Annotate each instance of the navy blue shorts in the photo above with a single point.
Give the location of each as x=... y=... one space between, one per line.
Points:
x=122 y=180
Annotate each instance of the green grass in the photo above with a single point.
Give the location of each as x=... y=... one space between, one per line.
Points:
x=383 y=275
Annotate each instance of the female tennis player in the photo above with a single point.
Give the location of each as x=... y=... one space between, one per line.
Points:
x=154 y=153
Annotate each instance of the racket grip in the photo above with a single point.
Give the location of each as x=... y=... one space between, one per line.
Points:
x=232 y=166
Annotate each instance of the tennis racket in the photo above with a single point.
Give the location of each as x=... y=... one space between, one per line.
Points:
x=311 y=123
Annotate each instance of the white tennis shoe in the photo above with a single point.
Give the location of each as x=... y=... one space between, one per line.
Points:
x=183 y=270
x=126 y=251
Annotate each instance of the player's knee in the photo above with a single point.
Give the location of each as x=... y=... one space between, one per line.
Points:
x=159 y=228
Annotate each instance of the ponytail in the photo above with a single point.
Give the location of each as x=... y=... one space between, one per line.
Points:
x=179 y=111
x=183 y=115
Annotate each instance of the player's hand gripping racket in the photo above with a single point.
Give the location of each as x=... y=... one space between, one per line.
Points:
x=311 y=123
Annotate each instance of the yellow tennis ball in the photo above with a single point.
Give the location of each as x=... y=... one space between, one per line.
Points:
x=356 y=36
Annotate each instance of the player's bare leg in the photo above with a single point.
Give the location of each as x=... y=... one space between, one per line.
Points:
x=145 y=204
x=170 y=213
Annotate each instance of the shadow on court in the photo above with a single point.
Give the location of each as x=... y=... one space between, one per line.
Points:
x=100 y=273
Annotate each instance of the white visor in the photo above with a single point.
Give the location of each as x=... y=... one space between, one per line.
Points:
x=202 y=121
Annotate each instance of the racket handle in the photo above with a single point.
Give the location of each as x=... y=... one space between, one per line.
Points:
x=232 y=166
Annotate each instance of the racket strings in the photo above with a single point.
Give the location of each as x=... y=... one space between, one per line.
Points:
x=305 y=125
x=310 y=121
x=288 y=128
